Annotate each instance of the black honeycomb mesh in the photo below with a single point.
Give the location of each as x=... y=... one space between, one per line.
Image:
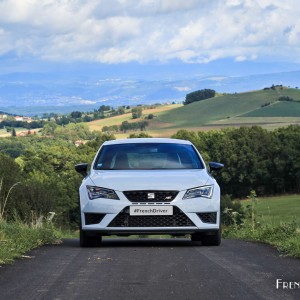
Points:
x=93 y=218
x=178 y=219
x=208 y=217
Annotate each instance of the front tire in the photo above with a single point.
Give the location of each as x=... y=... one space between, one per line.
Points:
x=89 y=241
x=196 y=237
x=212 y=240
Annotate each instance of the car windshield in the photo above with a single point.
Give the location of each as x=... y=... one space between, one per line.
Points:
x=148 y=156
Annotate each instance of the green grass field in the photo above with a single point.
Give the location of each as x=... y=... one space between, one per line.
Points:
x=278 y=109
x=236 y=110
x=292 y=93
x=213 y=109
x=229 y=110
x=274 y=210
x=4 y=133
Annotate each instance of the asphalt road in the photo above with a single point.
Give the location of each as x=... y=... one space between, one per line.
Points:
x=151 y=269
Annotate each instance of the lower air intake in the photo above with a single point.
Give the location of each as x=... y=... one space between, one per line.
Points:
x=178 y=219
x=91 y=219
x=208 y=217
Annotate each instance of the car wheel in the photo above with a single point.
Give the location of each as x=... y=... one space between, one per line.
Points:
x=196 y=237
x=89 y=241
x=212 y=240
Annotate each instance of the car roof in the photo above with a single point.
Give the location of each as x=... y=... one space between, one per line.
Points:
x=147 y=140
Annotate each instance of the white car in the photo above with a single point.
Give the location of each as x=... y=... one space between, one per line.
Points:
x=149 y=186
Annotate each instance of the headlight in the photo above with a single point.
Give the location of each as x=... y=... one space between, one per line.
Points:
x=95 y=192
x=203 y=191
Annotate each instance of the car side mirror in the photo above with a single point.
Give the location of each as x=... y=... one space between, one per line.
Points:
x=82 y=169
x=214 y=166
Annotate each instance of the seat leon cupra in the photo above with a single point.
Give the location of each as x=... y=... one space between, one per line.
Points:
x=149 y=186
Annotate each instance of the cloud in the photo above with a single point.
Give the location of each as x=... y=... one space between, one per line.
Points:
x=182 y=88
x=87 y=102
x=119 y=31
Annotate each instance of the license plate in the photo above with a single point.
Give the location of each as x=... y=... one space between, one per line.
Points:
x=151 y=210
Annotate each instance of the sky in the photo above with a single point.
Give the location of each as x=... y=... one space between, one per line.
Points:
x=238 y=34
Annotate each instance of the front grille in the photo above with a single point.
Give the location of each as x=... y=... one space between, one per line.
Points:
x=208 y=217
x=150 y=196
x=178 y=219
x=92 y=218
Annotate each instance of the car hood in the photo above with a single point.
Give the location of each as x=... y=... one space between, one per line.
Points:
x=150 y=180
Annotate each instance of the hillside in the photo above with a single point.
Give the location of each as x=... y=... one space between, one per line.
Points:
x=277 y=109
x=230 y=110
x=6 y=113
x=237 y=109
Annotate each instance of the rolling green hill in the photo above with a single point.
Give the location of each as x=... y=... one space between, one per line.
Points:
x=224 y=109
x=292 y=93
x=229 y=110
x=278 y=109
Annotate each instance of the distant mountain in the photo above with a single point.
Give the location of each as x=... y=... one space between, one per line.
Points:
x=6 y=113
x=35 y=93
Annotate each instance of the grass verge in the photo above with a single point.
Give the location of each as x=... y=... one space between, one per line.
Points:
x=285 y=236
x=16 y=239
x=273 y=220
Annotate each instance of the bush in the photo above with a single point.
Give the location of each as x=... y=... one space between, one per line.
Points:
x=140 y=135
x=136 y=112
x=232 y=212
x=285 y=98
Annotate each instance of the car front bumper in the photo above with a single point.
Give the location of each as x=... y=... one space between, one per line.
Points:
x=112 y=217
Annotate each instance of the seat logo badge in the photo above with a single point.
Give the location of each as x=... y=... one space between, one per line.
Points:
x=151 y=196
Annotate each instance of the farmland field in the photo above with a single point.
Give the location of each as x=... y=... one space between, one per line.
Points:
x=230 y=106
x=4 y=133
x=155 y=127
x=273 y=210
x=229 y=110
x=278 y=109
x=222 y=107
x=269 y=123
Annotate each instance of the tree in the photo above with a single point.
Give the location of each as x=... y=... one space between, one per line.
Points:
x=104 y=108
x=254 y=158
x=136 y=112
x=9 y=178
x=125 y=126
x=87 y=118
x=12 y=147
x=143 y=125
x=76 y=114
x=139 y=135
x=13 y=132
x=73 y=132
x=121 y=110
x=49 y=128
x=199 y=95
